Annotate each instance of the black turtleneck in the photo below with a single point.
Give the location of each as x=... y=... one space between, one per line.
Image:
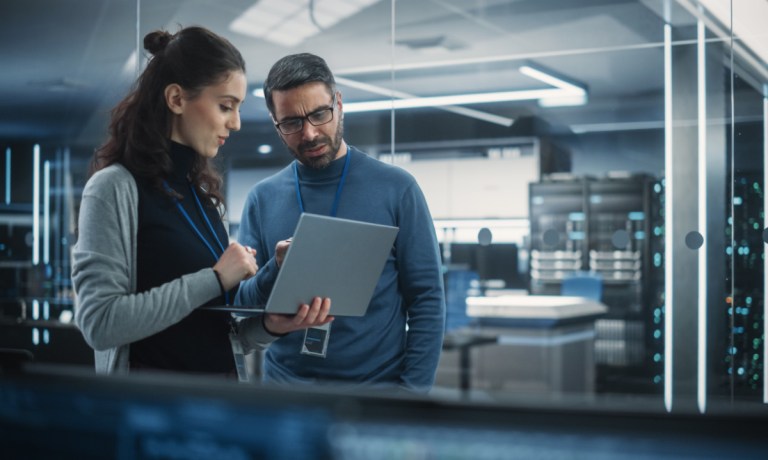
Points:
x=168 y=248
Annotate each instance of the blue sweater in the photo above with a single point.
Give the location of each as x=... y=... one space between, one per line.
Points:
x=374 y=349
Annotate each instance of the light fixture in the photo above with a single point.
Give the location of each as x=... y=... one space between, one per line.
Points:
x=563 y=93
x=36 y=204
x=290 y=22
x=472 y=113
x=454 y=99
x=7 y=175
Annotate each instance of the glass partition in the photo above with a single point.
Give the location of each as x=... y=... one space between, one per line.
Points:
x=609 y=152
x=551 y=136
x=744 y=361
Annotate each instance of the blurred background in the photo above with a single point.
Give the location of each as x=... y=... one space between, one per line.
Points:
x=595 y=170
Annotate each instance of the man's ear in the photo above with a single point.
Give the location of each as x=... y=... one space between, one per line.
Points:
x=174 y=98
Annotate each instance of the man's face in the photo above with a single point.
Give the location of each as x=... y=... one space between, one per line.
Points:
x=313 y=146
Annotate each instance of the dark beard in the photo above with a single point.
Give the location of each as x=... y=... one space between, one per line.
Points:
x=324 y=160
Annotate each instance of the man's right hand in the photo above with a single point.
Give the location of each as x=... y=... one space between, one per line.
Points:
x=281 y=248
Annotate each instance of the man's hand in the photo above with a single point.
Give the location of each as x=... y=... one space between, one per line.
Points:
x=307 y=316
x=281 y=248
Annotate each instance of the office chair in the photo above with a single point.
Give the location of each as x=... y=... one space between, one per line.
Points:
x=583 y=284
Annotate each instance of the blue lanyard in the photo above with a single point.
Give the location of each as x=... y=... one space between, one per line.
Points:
x=197 y=231
x=335 y=205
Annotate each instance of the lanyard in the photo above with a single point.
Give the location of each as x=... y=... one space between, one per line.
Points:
x=335 y=205
x=197 y=231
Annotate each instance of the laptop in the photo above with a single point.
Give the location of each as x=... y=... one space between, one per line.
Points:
x=329 y=257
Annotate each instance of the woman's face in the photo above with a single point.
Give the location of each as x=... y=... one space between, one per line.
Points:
x=205 y=121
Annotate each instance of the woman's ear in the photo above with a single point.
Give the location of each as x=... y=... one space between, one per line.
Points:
x=174 y=98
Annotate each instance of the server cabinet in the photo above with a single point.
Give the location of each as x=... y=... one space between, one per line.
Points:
x=610 y=227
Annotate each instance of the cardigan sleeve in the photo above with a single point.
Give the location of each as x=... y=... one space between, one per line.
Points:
x=108 y=311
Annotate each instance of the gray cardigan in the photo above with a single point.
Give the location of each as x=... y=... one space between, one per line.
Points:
x=108 y=310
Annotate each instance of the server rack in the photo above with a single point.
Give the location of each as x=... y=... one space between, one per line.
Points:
x=740 y=343
x=608 y=227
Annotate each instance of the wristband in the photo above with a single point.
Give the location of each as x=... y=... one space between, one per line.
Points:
x=221 y=285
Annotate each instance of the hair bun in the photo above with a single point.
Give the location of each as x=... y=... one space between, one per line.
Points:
x=155 y=42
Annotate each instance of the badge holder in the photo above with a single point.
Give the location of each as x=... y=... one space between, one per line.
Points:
x=316 y=340
x=237 y=352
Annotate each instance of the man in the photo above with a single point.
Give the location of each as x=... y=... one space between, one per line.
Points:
x=397 y=343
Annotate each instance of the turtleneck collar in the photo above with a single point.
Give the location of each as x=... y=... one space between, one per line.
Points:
x=182 y=157
x=332 y=171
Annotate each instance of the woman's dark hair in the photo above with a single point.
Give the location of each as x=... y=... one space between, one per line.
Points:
x=140 y=127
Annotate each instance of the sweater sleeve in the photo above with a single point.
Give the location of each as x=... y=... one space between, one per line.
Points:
x=108 y=311
x=255 y=291
x=422 y=288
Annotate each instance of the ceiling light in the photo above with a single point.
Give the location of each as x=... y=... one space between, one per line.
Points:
x=563 y=93
x=564 y=101
x=290 y=22
x=485 y=116
x=454 y=99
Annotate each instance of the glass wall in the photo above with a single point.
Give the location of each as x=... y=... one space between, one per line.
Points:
x=609 y=150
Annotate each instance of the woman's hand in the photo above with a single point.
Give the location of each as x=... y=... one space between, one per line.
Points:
x=307 y=316
x=236 y=264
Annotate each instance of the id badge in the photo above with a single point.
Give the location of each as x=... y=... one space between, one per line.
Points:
x=316 y=341
x=237 y=352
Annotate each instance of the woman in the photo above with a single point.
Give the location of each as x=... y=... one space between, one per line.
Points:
x=152 y=247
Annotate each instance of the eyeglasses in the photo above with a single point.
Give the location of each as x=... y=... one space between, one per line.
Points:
x=317 y=118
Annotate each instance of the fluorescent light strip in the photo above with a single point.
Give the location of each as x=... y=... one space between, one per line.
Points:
x=8 y=175
x=466 y=230
x=46 y=211
x=668 y=199
x=480 y=223
x=618 y=126
x=552 y=80
x=471 y=113
x=562 y=89
x=489 y=117
x=457 y=99
x=702 y=255
x=765 y=259
x=36 y=205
